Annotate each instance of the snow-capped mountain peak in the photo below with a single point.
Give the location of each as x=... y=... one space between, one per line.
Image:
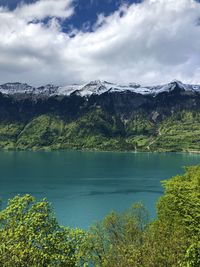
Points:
x=12 y=88
x=96 y=87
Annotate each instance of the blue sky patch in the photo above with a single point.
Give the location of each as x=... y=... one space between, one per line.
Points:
x=86 y=11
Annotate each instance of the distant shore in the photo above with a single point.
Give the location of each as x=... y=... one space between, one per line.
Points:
x=48 y=149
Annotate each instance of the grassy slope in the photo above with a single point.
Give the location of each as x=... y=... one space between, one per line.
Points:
x=99 y=131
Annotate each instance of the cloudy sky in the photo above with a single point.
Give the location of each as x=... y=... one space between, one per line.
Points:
x=76 y=41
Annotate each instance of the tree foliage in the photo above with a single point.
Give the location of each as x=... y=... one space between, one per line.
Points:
x=172 y=240
x=116 y=240
x=179 y=208
x=31 y=236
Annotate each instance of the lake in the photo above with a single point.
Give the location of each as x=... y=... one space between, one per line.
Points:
x=85 y=186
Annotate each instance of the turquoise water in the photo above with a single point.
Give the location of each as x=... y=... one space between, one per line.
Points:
x=84 y=186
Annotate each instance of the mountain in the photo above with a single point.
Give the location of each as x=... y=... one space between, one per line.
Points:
x=100 y=116
x=97 y=87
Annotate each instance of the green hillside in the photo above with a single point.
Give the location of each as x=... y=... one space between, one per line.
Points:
x=98 y=130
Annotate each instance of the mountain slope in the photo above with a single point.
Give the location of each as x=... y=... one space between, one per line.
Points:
x=100 y=116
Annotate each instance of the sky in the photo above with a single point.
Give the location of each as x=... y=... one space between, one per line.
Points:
x=122 y=41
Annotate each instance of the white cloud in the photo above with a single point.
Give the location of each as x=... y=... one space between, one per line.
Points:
x=44 y=8
x=152 y=42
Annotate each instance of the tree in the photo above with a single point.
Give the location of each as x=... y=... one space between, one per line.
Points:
x=173 y=238
x=116 y=240
x=31 y=236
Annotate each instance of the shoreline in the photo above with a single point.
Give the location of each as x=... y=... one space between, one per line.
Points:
x=101 y=151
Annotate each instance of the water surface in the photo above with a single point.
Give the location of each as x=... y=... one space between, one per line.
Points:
x=84 y=186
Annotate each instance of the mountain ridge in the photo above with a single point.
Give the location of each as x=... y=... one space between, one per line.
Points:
x=96 y=87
